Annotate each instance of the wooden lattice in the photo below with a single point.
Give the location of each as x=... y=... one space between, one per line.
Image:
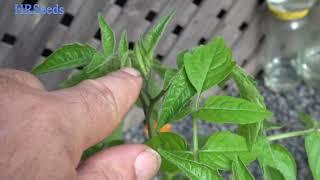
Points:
x=26 y=40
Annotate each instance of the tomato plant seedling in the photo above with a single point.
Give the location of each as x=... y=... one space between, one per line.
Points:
x=177 y=96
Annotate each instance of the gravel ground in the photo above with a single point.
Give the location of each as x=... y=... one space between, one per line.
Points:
x=285 y=107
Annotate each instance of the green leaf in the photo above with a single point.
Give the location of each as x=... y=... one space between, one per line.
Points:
x=107 y=36
x=247 y=87
x=312 y=145
x=154 y=35
x=179 y=93
x=66 y=57
x=74 y=79
x=186 y=110
x=223 y=147
x=123 y=44
x=159 y=68
x=194 y=170
x=279 y=158
x=271 y=173
x=240 y=171
x=96 y=61
x=125 y=60
x=208 y=65
x=170 y=142
x=180 y=58
x=308 y=121
x=226 y=109
x=225 y=141
x=248 y=91
x=143 y=62
x=168 y=77
x=97 y=68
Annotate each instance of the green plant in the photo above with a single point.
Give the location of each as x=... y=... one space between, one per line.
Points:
x=178 y=96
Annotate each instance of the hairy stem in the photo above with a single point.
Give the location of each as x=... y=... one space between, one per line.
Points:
x=195 y=130
x=291 y=134
x=148 y=109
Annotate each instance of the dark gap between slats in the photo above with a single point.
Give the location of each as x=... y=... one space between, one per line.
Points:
x=151 y=16
x=9 y=39
x=121 y=3
x=46 y=52
x=177 y=30
x=67 y=19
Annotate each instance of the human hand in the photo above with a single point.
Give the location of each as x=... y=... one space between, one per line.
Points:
x=43 y=134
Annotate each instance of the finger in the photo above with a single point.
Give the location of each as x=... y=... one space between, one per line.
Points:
x=122 y=162
x=96 y=107
x=22 y=77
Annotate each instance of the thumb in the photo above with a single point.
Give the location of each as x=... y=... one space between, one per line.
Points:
x=121 y=162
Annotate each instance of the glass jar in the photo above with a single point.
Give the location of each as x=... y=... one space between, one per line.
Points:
x=286 y=31
x=308 y=65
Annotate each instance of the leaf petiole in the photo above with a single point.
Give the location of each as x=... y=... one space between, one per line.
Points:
x=195 y=129
x=291 y=134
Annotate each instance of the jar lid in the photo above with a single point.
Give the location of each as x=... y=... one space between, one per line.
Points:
x=288 y=15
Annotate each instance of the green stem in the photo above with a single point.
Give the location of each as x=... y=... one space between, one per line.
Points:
x=195 y=130
x=291 y=134
x=147 y=109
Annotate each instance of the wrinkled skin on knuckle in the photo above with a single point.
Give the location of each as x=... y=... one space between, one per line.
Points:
x=105 y=101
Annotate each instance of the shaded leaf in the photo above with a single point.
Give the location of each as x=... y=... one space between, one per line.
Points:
x=226 y=109
x=180 y=59
x=247 y=87
x=308 y=121
x=178 y=94
x=240 y=171
x=208 y=65
x=74 y=79
x=277 y=157
x=159 y=68
x=66 y=57
x=248 y=90
x=312 y=145
x=108 y=37
x=194 y=170
x=272 y=173
x=170 y=142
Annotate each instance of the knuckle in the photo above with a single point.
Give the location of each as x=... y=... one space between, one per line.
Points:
x=100 y=92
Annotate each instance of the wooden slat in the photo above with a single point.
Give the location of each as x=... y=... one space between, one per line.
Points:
x=132 y=17
x=199 y=27
x=4 y=52
x=248 y=42
x=239 y=13
x=184 y=11
x=6 y=15
x=34 y=33
x=31 y=42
